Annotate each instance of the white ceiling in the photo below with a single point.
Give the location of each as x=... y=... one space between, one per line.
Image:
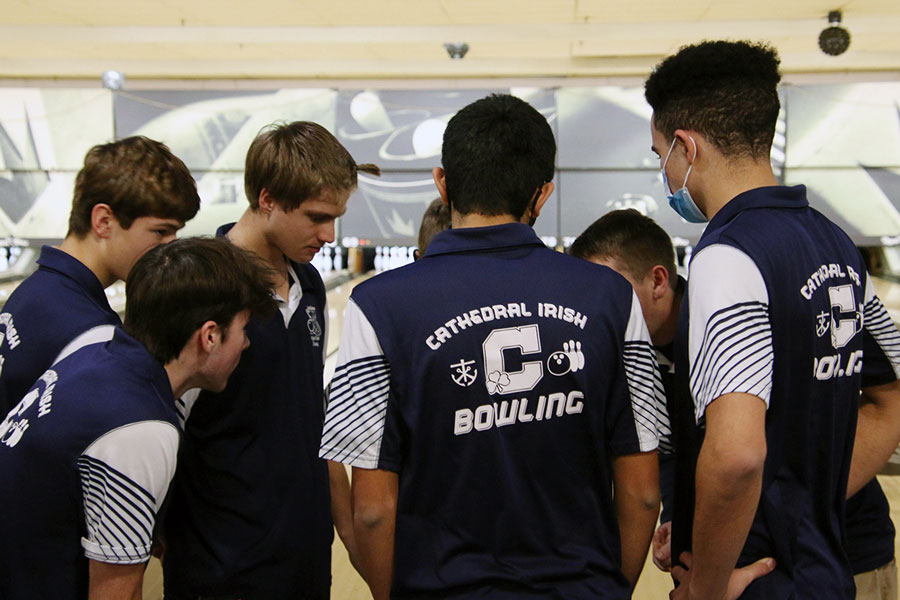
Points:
x=343 y=39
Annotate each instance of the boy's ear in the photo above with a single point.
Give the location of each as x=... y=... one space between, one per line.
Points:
x=660 y=281
x=440 y=182
x=102 y=218
x=266 y=202
x=210 y=336
x=546 y=191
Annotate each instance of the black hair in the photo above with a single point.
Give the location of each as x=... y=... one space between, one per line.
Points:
x=727 y=91
x=497 y=153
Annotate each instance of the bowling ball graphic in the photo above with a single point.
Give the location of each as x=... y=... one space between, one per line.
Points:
x=559 y=363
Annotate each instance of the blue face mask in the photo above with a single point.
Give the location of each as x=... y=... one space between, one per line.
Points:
x=681 y=201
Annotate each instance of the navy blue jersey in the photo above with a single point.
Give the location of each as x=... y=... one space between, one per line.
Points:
x=58 y=302
x=499 y=378
x=779 y=306
x=86 y=458
x=250 y=512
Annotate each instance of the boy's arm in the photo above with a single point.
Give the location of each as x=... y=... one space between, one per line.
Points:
x=729 y=481
x=878 y=424
x=636 y=478
x=877 y=433
x=374 y=494
x=341 y=511
x=115 y=582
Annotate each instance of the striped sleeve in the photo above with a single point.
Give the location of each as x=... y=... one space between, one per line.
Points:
x=124 y=478
x=883 y=352
x=663 y=421
x=644 y=383
x=358 y=398
x=730 y=335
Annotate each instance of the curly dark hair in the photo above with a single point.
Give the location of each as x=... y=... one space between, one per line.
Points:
x=726 y=91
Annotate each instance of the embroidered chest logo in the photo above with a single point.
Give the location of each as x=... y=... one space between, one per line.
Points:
x=312 y=323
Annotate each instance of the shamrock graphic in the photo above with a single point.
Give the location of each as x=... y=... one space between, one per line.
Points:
x=496 y=381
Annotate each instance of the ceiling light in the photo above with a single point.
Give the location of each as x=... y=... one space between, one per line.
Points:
x=112 y=80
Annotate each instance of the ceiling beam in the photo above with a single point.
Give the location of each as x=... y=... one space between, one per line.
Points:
x=695 y=30
x=802 y=62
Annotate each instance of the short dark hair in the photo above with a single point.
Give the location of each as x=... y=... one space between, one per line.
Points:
x=496 y=153
x=634 y=241
x=435 y=220
x=174 y=288
x=726 y=91
x=295 y=161
x=137 y=177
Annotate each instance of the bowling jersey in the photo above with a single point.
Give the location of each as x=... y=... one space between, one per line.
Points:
x=61 y=300
x=779 y=306
x=499 y=379
x=86 y=459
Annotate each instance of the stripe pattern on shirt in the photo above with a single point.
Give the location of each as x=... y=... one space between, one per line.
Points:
x=663 y=422
x=119 y=514
x=357 y=406
x=646 y=390
x=642 y=374
x=735 y=355
x=883 y=331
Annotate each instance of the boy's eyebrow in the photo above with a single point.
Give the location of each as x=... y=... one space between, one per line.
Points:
x=312 y=213
x=318 y=215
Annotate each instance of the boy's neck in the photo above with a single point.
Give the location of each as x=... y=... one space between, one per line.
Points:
x=478 y=220
x=249 y=233
x=90 y=252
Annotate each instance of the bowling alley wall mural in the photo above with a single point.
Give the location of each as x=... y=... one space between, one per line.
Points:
x=841 y=141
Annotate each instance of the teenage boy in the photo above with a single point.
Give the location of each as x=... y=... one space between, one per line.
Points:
x=130 y=196
x=87 y=455
x=641 y=251
x=780 y=330
x=251 y=512
x=638 y=249
x=488 y=414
